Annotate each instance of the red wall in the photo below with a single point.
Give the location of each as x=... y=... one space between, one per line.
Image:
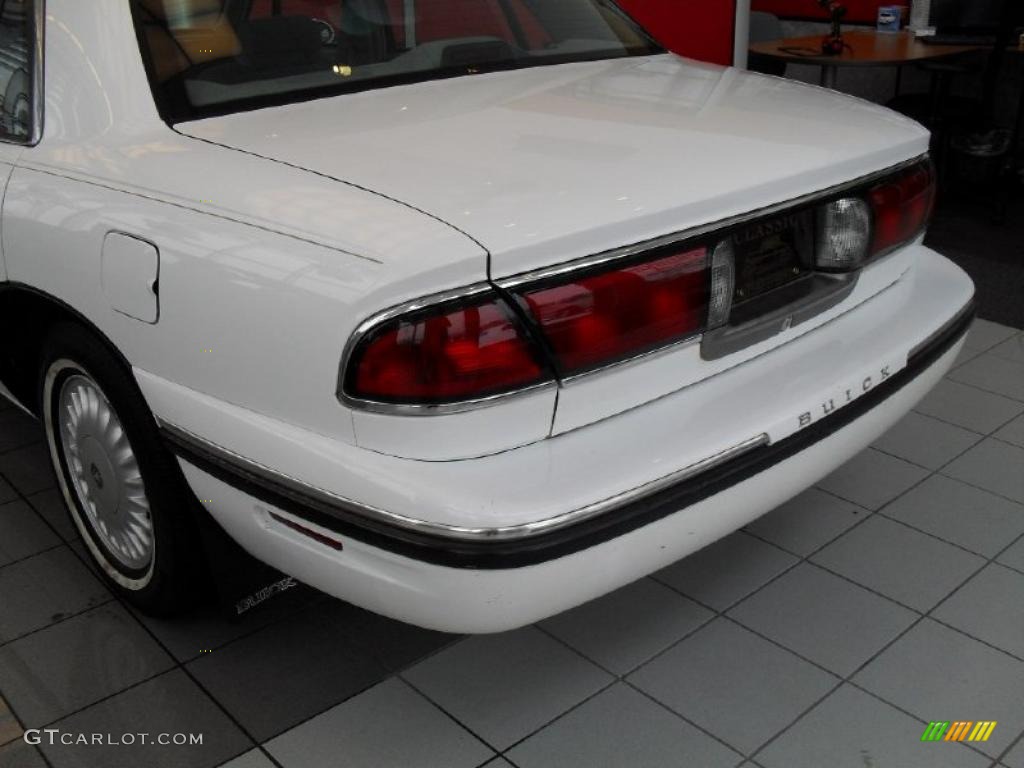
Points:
x=700 y=29
x=857 y=11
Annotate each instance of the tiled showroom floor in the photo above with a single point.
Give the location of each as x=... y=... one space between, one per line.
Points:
x=826 y=635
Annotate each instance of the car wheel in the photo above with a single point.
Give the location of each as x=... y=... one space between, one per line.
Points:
x=123 y=489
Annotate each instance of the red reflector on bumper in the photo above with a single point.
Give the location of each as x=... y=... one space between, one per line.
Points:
x=327 y=541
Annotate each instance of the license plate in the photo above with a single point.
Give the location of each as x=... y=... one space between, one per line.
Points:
x=771 y=254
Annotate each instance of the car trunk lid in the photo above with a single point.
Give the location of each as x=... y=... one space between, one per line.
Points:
x=553 y=163
x=543 y=166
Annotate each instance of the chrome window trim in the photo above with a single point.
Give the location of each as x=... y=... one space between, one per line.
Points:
x=38 y=77
x=509 y=285
x=267 y=476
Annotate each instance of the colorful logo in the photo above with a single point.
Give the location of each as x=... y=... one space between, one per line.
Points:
x=960 y=730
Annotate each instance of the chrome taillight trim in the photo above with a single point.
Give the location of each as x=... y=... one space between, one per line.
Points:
x=508 y=287
x=423 y=409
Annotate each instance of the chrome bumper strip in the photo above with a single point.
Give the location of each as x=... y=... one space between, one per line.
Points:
x=191 y=446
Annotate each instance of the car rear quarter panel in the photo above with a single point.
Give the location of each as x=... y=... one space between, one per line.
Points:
x=265 y=270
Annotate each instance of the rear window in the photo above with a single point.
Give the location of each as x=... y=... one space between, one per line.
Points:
x=208 y=57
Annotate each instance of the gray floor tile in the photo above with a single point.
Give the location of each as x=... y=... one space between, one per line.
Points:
x=899 y=562
x=254 y=758
x=18 y=754
x=290 y=671
x=1012 y=432
x=993 y=374
x=725 y=572
x=966 y=354
x=808 y=521
x=621 y=727
x=390 y=724
x=975 y=519
x=18 y=429
x=498 y=762
x=504 y=687
x=1011 y=349
x=7 y=493
x=937 y=673
x=734 y=684
x=823 y=618
x=990 y=607
x=10 y=728
x=28 y=469
x=50 y=505
x=70 y=665
x=872 y=479
x=626 y=628
x=1015 y=757
x=993 y=465
x=926 y=441
x=210 y=627
x=82 y=553
x=852 y=729
x=169 y=704
x=22 y=533
x=969 y=407
x=985 y=334
x=1014 y=556
x=44 y=589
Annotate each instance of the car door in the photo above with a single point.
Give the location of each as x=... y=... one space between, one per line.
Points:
x=20 y=105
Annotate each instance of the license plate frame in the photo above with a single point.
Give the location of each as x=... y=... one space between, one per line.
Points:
x=772 y=254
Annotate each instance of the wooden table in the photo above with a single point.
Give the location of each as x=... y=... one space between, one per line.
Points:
x=866 y=48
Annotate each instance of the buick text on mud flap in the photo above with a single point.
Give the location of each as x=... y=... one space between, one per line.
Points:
x=846 y=395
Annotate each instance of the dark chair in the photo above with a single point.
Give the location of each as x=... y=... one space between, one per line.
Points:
x=366 y=36
x=765 y=27
x=939 y=109
x=273 y=47
x=280 y=43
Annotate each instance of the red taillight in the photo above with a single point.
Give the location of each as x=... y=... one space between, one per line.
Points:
x=447 y=353
x=602 y=317
x=901 y=207
x=587 y=315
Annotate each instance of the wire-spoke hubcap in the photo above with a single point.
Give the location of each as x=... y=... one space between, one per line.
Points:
x=105 y=473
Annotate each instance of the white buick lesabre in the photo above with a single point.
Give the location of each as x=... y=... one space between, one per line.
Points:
x=464 y=312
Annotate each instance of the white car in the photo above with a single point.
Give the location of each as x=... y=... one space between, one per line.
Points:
x=465 y=313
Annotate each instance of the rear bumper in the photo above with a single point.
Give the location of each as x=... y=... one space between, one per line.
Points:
x=480 y=579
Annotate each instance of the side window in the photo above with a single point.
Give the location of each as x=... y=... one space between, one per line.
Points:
x=17 y=69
